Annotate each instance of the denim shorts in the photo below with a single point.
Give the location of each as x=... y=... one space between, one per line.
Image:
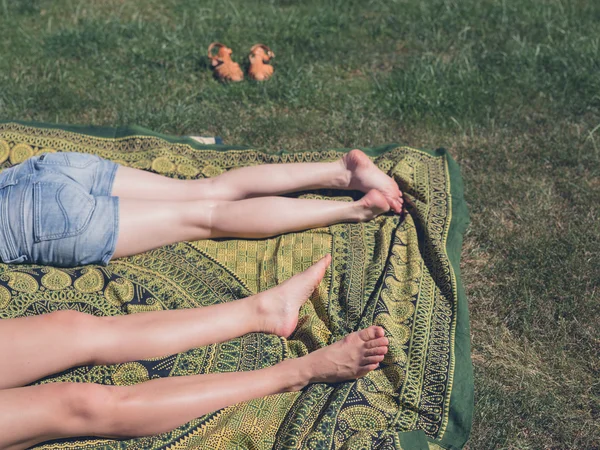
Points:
x=56 y=209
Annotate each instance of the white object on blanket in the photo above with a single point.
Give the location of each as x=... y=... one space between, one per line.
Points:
x=204 y=139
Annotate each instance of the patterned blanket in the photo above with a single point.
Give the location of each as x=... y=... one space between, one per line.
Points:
x=399 y=273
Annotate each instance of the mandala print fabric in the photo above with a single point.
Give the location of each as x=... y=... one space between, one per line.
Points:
x=401 y=273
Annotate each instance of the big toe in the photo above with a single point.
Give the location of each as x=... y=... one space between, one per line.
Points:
x=325 y=261
x=317 y=270
x=373 y=332
x=304 y=283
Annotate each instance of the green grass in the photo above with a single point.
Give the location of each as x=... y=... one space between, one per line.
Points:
x=511 y=88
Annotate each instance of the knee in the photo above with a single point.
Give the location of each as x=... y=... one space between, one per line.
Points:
x=209 y=189
x=76 y=322
x=217 y=212
x=218 y=189
x=93 y=409
x=205 y=217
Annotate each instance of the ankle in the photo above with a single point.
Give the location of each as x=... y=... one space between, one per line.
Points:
x=259 y=312
x=251 y=314
x=296 y=374
x=359 y=212
x=344 y=177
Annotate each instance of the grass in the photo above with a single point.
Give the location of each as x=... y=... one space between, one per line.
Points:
x=512 y=89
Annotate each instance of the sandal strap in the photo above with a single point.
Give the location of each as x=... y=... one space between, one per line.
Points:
x=266 y=48
x=217 y=45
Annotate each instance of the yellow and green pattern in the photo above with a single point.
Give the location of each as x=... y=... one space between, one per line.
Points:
x=398 y=272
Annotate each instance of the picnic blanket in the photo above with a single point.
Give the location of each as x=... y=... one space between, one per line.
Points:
x=401 y=273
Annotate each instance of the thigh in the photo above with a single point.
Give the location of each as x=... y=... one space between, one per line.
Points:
x=37 y=346
x=148 y=224
x=140 y=184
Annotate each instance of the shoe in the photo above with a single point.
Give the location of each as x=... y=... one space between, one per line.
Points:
x=259 y=56
x=224 y=67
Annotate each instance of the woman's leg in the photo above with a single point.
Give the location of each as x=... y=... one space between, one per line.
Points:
x=37 y=346
x=64 y=410
x=353 y=171
x=148 y=224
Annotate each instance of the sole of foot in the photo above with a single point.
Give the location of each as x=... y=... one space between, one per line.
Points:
x=372 y=205
x=353 y=357
x=365 y=175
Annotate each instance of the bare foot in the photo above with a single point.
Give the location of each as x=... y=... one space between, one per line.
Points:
x=364 y=176
x=353 y=357
x=372 y=205
x=278 y=307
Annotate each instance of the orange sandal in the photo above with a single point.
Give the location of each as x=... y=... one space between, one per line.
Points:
x=225 y=68
x=259 y=56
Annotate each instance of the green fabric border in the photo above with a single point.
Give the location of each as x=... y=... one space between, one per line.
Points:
x=413 y=440
x=461 y=397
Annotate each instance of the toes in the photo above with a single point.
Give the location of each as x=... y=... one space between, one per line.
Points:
x=376 y=351
x=324 y=261
x=366 y=369
x=367 y=334
x=318 y=269
x=372 y=360
x=396 y=203
x=379 y=342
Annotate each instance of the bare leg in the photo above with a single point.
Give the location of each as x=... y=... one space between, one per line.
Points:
x=50 y=343
x=72 y=409
x=148 y=224
x=354 y=171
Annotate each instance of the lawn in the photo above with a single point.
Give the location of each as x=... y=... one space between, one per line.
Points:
x=511 y=88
